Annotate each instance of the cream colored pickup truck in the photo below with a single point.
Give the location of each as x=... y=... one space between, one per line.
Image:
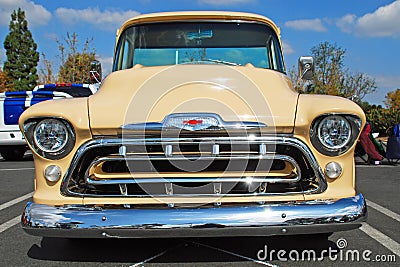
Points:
x=196 y=132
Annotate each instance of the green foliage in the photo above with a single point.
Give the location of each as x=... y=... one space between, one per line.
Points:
x=22 y=57
x=393 y=99
x=382 y=119
x=5 y=84
x=75 y=66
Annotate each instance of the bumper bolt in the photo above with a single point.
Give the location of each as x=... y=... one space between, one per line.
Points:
x=104 y=218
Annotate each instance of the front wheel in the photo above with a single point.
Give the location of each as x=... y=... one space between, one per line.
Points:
x=13 y=154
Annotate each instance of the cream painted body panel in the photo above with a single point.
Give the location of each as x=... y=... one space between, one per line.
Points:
x=75 y=111
x=149 y=94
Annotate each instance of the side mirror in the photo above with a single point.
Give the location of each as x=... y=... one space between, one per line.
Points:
x=306 y=68
x=95 y=71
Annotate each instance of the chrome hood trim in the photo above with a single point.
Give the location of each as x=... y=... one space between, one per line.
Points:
x=193 y=122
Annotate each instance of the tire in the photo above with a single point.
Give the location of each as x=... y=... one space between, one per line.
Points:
x=13 y=154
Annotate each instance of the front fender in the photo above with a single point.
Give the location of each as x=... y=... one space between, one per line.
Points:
x=75 y=111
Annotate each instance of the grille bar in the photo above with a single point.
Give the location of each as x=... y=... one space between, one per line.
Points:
x=140 y=178
x=189 y=180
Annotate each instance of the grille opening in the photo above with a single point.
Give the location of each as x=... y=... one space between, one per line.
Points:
x=164 y=166
x=196 y=149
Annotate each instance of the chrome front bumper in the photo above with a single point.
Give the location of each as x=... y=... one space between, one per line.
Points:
x=258 y=220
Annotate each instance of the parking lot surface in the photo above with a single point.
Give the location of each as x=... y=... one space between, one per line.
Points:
x=375 y=244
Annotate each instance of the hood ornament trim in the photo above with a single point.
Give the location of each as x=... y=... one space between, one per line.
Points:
x=193 y=122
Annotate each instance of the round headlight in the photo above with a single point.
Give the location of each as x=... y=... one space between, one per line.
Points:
x=51 y=138
x=50 y=135
x=334 y=132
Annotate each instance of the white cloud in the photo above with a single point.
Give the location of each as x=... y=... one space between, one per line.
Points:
x=306 y=25
x=383 y=22
x=346 y=23
x=287 y=48
x=105 y=20
x=224 y=2
x=36 y=15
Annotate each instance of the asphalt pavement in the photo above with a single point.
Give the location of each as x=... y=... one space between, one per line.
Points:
x=375 y=244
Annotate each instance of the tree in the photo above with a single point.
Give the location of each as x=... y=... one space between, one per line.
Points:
x=75 y=66
x=46 y=72
x=22 y=57
x=5 y=84
x=393 y=100
x=329 y=73
x=357 y=85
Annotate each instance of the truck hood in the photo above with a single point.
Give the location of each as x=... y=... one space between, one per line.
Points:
x=234 y=93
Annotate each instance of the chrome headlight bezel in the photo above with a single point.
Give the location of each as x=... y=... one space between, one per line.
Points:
x=31 y=129
x=348 y=128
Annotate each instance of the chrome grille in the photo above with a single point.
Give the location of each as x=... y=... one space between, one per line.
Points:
x=232 y=166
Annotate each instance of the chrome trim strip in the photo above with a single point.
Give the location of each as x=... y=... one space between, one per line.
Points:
x=258 y=220
x=187 y=180
x=268 y=140
x=130 y=157
x=161 y=179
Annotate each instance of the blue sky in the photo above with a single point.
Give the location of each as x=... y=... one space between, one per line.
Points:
x=369 y=30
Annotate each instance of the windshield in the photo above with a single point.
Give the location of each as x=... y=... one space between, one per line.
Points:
x=230 y=43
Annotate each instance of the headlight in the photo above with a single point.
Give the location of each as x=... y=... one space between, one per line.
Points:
x=50 y=137
x=334 y=132
x=333 y=135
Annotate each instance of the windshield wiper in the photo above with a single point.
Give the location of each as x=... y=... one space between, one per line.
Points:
x=217 y=61
x=221 y=62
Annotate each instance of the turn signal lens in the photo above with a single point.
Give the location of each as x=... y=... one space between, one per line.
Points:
x=52 y=173
x=333 y=170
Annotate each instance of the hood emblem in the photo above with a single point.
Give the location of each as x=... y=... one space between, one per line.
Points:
x=193 y=122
